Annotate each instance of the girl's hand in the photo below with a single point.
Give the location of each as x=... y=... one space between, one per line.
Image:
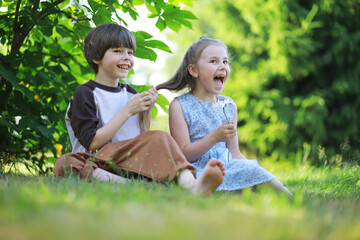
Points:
x=225 y=132
x=139 y=102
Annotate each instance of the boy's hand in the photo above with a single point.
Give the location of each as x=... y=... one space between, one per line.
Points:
x=139 y=102
x=153 y=94
x=225 y=132
x=142 y=101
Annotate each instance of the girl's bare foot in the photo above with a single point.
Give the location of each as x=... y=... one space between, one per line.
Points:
x=211 y=178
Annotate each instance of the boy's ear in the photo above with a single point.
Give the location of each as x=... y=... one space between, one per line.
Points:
x=96 y=61
x=193 y=71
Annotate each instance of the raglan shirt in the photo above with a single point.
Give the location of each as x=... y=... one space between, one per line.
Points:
x=91 y=107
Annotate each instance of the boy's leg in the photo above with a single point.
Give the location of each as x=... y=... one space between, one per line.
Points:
x=85 y=166
x=207 y=182
x=105 y=176
x=74 y=164
x=153 y=154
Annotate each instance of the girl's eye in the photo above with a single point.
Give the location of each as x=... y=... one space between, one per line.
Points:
x=226 y=62
x=213 y=61
x=130 y=52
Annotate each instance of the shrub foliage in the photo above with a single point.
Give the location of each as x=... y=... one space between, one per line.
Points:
x=41 y=63
x=295 y=72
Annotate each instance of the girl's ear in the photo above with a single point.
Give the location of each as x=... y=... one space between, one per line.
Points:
x=96 y=61
x=193 y=71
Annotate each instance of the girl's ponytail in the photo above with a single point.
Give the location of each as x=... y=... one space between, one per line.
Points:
x=182 y=78
x=144 y=121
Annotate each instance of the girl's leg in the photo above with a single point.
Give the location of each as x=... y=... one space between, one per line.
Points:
x=207 y=182
x=279 y=187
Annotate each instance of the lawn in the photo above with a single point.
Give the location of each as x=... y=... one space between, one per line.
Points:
x=326 y=206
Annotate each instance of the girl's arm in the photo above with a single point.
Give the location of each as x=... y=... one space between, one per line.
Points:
x=180 y=132
x=234 y=142
x=138 y=103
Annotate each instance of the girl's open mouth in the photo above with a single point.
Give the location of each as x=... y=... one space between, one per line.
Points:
x=219 y=81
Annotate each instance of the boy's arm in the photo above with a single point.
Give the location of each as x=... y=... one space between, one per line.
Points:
x=138 y=103
x=180 y=132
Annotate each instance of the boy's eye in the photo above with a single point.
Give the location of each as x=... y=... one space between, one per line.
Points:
x=213 y=61
x=226 y=62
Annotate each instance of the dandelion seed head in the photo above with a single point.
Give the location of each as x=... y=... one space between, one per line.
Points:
x=222 y=102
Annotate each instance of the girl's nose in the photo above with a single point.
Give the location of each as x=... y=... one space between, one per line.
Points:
x=223 y=65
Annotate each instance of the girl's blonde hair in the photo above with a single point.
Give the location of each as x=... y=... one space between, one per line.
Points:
x=144 y=121
x=182 y=78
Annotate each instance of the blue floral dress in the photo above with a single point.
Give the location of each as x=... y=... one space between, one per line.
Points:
x=203 y=118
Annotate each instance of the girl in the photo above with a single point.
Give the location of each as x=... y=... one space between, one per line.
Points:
x=202 y=122
x=108 y=123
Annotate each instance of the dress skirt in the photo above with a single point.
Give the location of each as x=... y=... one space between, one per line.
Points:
x=240 y=173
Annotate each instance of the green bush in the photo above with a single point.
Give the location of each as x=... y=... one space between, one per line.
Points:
x=295 y=72
x=41 y=63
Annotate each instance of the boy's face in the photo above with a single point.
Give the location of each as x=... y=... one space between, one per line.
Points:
x=116 y=63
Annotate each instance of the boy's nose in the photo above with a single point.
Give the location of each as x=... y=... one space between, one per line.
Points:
x=126 y=55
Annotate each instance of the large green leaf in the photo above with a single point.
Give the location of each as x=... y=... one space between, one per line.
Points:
x=145 y=53
x=159 y=45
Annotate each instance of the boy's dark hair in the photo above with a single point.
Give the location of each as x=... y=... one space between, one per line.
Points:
x=104 y=37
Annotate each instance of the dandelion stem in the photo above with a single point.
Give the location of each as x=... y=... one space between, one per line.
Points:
x=227 y=119
x=225 y=114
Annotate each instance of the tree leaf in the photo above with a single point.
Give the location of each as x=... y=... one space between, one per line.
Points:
x=160 y=24
x=159 y=45
x=152 y=9
x=145 y=53
x=172 y=24
x=187 y=14
x=163 y=102
x=154 y=112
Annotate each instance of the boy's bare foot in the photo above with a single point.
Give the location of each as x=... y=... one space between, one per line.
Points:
x=211 y=178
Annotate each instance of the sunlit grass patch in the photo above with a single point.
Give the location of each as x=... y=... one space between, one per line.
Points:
x=50 y=208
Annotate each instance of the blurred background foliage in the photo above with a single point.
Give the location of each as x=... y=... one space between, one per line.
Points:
x=295 y=71
x=41 y=64
x=295 y=74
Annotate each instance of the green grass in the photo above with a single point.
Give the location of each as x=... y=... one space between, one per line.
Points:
x=326 y=206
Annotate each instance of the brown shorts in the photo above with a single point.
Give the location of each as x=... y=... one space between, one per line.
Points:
x=153 y=154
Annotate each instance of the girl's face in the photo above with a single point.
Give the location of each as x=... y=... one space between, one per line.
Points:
x=116 y=63
x=211 y=71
